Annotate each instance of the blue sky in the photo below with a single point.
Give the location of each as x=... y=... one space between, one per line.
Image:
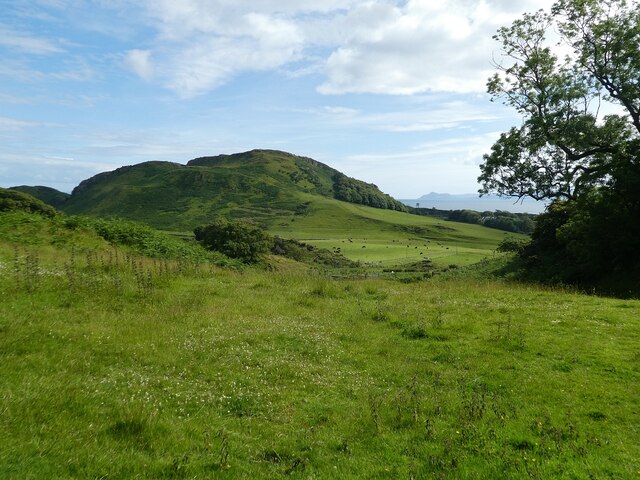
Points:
x=387 y=91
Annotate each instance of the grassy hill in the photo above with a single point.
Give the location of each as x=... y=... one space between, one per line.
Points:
x=293 y=197
x=264 y=186
x=48 y=195
x=379 y=239
x=117 y=364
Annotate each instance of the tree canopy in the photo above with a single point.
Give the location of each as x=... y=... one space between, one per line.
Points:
x=573 y=73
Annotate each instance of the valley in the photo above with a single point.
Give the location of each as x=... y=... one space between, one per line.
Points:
x=399 y=347
x=174 y=310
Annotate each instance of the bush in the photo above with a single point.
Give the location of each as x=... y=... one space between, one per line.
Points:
x=236 y=239
x=11 y=200
x=512 y=245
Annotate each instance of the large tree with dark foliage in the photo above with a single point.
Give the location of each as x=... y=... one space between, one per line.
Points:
x=579 y=141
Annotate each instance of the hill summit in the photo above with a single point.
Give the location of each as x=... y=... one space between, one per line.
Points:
x=262 y=185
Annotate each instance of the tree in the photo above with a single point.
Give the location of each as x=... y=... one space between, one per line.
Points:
x=235 y=239
x=566 y=150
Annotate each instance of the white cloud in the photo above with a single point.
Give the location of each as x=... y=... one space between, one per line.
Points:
x=399 y=47
x=422 y=127
x=13 y=124
x=433 y=116
x=75 y=69
x=26 y=43
x=210 y=62
x=78 y=72
x=341 y=111
x=362 y=46
x=177 y=20
x=204 y=44
x=420 y=46
x=448 y=165
x=465 y=150
x=139 y=61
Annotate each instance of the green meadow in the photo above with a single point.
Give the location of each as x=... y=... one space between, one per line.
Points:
x=386 y=238
x=117 y=364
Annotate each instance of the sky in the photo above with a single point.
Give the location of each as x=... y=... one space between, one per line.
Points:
x=387 y=91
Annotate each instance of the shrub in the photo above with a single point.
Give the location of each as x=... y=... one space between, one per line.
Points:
x=511 y=245
x=11 y=200
x=235 y=239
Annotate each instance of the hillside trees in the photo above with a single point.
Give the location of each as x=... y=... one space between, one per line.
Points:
x=355 y=191
x=567 y=149
x=502 y=220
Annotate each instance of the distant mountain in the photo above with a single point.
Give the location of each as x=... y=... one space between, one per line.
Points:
x=471 y=201
x=266 y=186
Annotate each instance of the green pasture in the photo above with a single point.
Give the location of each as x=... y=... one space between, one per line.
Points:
x=387 y=253
x=387 y=238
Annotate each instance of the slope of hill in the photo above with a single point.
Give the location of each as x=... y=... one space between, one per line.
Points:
x=262 y=185
x=48 y=195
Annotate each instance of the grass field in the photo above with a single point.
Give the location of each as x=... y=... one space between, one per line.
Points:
x=120 y=366
x=388 y=238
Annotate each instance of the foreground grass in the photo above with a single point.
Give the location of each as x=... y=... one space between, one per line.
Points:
x=141 y=369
